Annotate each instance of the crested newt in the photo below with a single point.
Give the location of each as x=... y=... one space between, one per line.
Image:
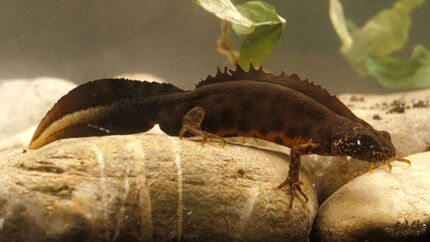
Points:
x=279 y=108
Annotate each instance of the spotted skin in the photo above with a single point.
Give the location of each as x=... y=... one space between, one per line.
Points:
x=281 y=109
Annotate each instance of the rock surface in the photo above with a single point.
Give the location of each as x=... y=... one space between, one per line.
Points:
x=19 y=140
x=148 y=188
x=380 y=206
x=39 y=176
x=24 y=102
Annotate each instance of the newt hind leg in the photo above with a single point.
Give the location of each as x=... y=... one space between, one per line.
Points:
x=191 y=123
x=292 y=180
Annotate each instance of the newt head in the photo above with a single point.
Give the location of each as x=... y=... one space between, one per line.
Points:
x=364 y=143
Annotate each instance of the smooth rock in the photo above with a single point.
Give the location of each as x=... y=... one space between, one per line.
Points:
x=329 y=173
x=24 y=102
x=148 y=188
x=19 y=140
x=380 y=206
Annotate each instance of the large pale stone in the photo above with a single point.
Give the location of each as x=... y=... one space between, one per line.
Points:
x=380 y=206
x=24 y=102
x=19 y=140
x=148 y=188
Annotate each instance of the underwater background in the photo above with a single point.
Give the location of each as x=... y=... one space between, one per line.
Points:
x=100 y=167
x=176 y=40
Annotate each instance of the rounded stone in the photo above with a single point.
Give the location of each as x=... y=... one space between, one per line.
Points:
x=380 y=206
x=149 y=188
x=24 y=102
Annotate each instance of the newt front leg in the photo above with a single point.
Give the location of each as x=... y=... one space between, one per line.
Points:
x=193 y=119
x=388 y=163
x=292 y=180
x=192 y=122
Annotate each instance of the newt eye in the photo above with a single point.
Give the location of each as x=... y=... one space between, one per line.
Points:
x=385 y=134
x=364 y=140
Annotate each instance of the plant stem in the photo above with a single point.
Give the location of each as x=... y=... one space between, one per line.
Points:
x=224 y=45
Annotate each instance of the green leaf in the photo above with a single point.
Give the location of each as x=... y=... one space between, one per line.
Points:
x=268 y=27
x=225 y=10
x=396 y=73
x=258 y=45
x=260 y=13
x=383 y=34
x=256 y=20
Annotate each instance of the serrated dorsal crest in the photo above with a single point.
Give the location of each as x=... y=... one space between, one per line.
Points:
x=293 y=81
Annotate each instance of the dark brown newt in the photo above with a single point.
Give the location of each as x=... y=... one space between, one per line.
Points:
x=282 y=109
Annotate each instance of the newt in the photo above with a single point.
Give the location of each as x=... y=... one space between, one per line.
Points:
x=283 y=109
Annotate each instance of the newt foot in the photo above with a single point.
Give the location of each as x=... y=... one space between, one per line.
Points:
x=293 y=187
x=390 y=167
x=206 y=137
x=403 y=160
x=372 y=166
x=388 y=163
x=191 y=123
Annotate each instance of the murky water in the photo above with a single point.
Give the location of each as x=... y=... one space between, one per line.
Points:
x=175 y=40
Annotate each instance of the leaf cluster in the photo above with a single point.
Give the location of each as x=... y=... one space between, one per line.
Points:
x=256 y=21
x=369 y=49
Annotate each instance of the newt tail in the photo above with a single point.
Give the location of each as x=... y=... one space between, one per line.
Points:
x=282 y=109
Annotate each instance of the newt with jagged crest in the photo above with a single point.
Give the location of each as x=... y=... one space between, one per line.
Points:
x=282 y=109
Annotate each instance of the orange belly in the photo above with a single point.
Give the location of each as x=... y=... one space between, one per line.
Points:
x=275 y=137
